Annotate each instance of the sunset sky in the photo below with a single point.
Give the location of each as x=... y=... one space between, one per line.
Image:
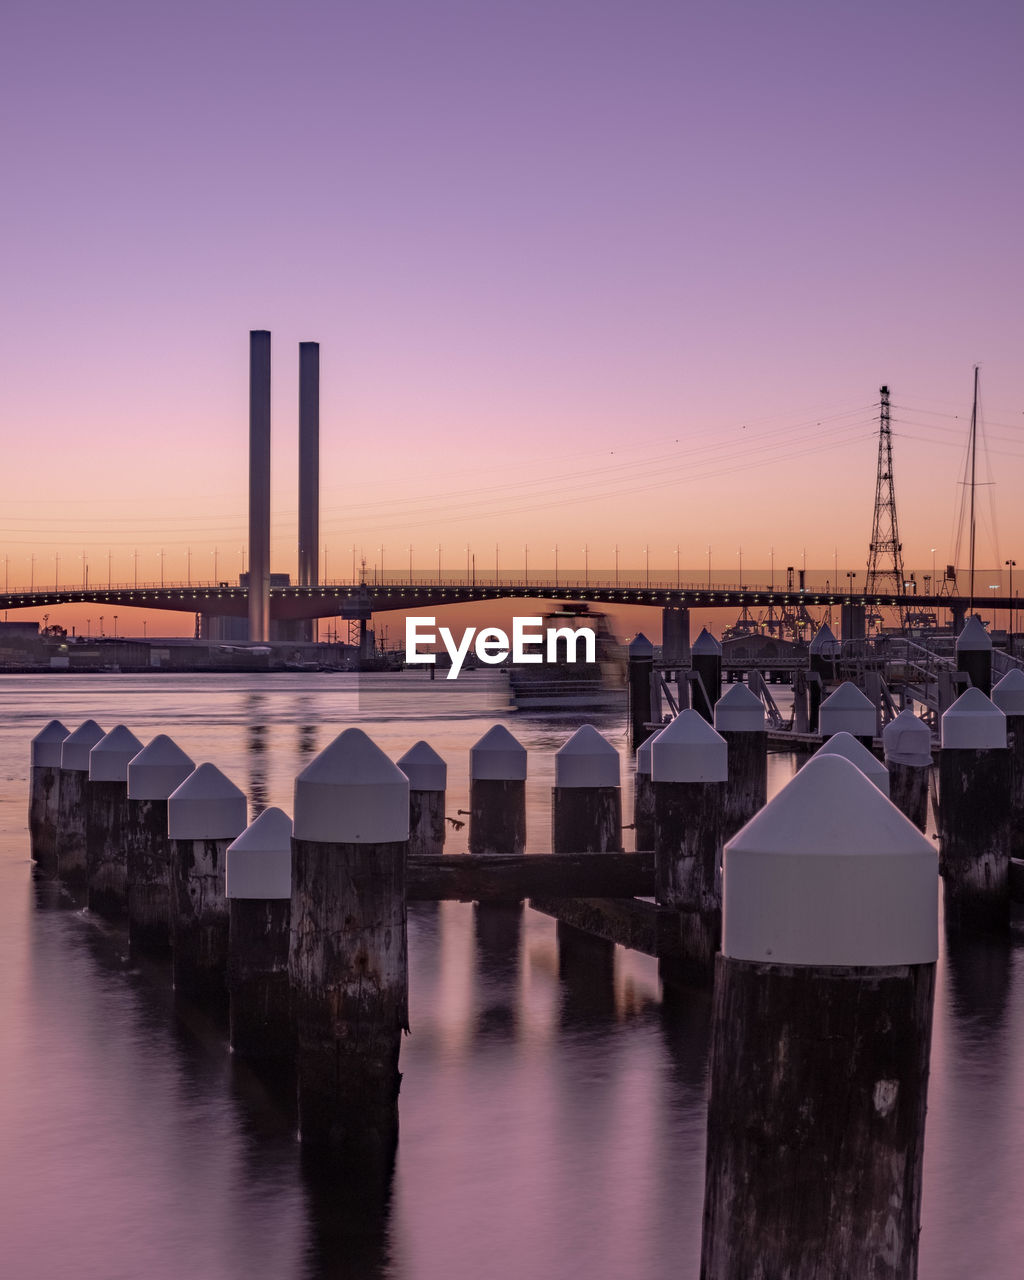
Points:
x=585 y=273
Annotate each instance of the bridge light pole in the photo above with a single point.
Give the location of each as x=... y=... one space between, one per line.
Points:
x=556 y=564
x=709 y=566
x=439 y=563
x=188 y=566
x=586 y=564
x=677 y=566
x=135 y=558
x=162 y=566
x=56 y=572
x=32 y=573
x=109 y=574
x=647 y=566
x=526 y=564
x=740 y=553
x=616 y=564
x=115 y=626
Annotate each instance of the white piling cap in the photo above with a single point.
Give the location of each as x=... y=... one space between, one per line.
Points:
x=643 y=753
x=46 y=745
x=689 y=750
x=587 y=760
x=1008 y=694
x=158 y=769
x=424 y=768
x=847 y=708
x=739 y=711
x=259 y=862
x=705 y=645
x=973 y=723
x=825 y=644
x=74 y=750
x=640 y=647
x=830 y=873
x=108 y=760
x=207 y=806
x=498 y=756
x=351 y=793
x=847 y=746
x=974 y=636
x=907 y=740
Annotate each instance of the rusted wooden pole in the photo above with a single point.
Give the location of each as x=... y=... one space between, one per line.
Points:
x=640 y=667
x=1008 y=696
x=204 y=815
x=643 y=797
x=821 y=1034
x=428 y=779
x=44 y=795
x=848 y=710
x=586 y=800
x=348 y=959
x=739 y=719
x=497 y=793
x=908 y=757
x=974 y=654
x=706 y=659
x=74 y=777
x=259 y=891
x=105 y=818
x=846 y=745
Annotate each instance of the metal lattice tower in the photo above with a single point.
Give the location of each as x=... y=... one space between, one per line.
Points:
x=885 y=556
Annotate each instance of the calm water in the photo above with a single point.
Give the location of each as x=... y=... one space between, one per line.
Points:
x=550 y=1127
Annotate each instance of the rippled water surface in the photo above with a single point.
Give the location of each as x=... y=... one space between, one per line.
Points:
x=552 y=1123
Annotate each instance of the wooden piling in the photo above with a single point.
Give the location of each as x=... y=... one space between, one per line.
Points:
x=428 y=779
x=689 y=769
x=974 y=654
x=974 y=814
x=739 y=719
x=348 y=959
x=643 y=797
x=640 y=668
x=846 y=745
x=497 y=793
x=908 y=757
x=258 y=882
x=1008 y=696
x=158 y=769
x=706 y=660
x=71 y=807
x=822 y=655
x=44 y=795
x=106 y=813
x=204 y=815
x=848 y=710
x=820 y=1041
x=586 y=800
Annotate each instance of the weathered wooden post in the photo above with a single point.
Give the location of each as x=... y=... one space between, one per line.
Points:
x=690 y=771
x=497 y=793
x=204 y=815
x=974 y=654
x=640 y=664
x=847 y=746
x=44 y=794
x=153 y=774
x=643 y=797
x=821 y=1035
x=347 y=960
x=739 y=719
x=74 y=776
x=848 y=710
x=586 y=800
x=428 y=778
x=908 y=757
x=258 y=877
x=105 y=818
x=1008 y=696
x=822 y=655
x=974 y=814
x=706 y=659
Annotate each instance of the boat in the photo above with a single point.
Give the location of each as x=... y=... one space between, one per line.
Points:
x=577 y=686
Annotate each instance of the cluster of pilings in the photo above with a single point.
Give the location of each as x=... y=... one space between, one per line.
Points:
x=814 y=917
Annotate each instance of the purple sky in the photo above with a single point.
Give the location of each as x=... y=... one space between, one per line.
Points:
x=581 y=272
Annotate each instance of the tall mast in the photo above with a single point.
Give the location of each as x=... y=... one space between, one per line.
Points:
x=974 y=454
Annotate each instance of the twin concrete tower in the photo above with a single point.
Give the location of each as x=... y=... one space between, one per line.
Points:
x=259 y=477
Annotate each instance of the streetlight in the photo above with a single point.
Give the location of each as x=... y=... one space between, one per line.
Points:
x=616 y=564
x=993 y=586
x=115 y=626
x=740 y=554
x=851 y=577
x=1011 y=565
x=162 y=566
x=101 y=626
x=586 y=564
x=647 y=565
x=556 y=564
x=56 y=572
x=32 y=574
x=709 y=566
x=934 y=549
x=88 y=628
x=677 y=566
x=135 y=558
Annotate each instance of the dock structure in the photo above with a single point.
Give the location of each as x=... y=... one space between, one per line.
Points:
x=106 y=815
x=740 y=720
x=847 y=709
x=428 y=780
x=974 y=654
x=907 y=742
x=846 y=745
x=643 y=796
x=1008 y=696
x=44 y=794
x=497 y=793
x=639 y=678
x=706 y=661
x=72 y=867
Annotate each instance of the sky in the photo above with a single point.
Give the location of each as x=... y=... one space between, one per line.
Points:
x=584 y=273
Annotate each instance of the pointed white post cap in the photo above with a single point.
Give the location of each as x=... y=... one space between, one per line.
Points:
x=587 y=760
x=973 y=723
x=1008 y=694
x=158 y=768
x=259 y=862
x=498 y=756
x=824 y=644
x=907 y=740
x=108 y=760
x=830 y=873
x=974 y=636
x=739 y=711
x=74 y=750
x=424 y=768
x=46 y=745
x=847 y=708
x=847 y=746
x=640 y=647
x=689 y=750
x=207 y=806
x=643 y=754
x=705 y=645
x=351 y=793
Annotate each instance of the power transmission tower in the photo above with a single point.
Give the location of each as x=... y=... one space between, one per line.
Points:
x=885 y=558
